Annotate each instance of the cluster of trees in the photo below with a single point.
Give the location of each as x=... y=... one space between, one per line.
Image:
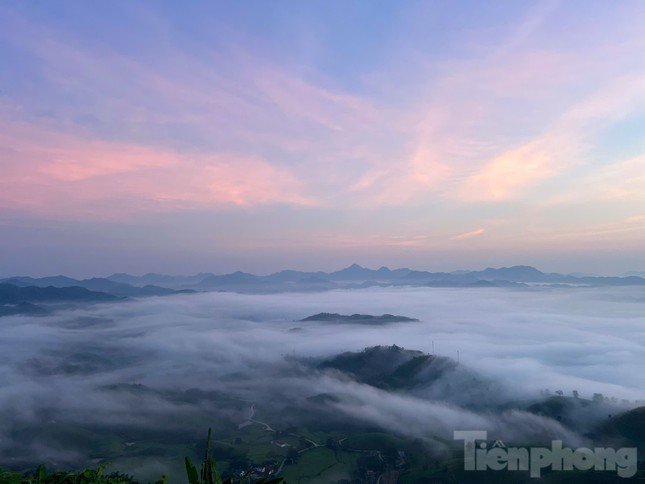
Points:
x=597 y=397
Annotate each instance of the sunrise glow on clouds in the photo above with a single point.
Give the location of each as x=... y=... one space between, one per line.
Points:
x=428 y=127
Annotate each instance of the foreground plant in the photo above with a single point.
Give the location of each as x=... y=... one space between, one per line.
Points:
x=210 y=475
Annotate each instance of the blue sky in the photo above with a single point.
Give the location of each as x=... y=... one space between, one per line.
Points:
x=154 y=136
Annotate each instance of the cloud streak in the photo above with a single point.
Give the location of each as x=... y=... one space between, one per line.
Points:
x=468 y=235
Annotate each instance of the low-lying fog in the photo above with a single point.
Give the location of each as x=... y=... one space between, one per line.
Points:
x=585 y=339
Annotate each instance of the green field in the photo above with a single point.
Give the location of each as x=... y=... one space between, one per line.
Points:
x=320 y=465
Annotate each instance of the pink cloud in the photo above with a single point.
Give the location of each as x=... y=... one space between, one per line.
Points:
x=562 y=147
x=473 y=133
x=47 y=172
x=509 y=174
x=468 y=235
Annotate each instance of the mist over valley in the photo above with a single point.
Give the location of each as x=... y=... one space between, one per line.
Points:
x=350 y=372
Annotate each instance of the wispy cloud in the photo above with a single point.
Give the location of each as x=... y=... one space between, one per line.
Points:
x=469 y=235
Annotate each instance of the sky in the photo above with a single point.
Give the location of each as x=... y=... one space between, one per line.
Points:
x=153 y=136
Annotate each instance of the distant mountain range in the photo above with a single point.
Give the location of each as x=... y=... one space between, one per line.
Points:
x=161 y=280
x=354 y=276
x=20 y=299
x=36 y=296
x=12 y=294
x=24 y=294
x=95 y=284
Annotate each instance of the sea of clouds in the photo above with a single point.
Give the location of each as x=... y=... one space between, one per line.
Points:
x=587 y=339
